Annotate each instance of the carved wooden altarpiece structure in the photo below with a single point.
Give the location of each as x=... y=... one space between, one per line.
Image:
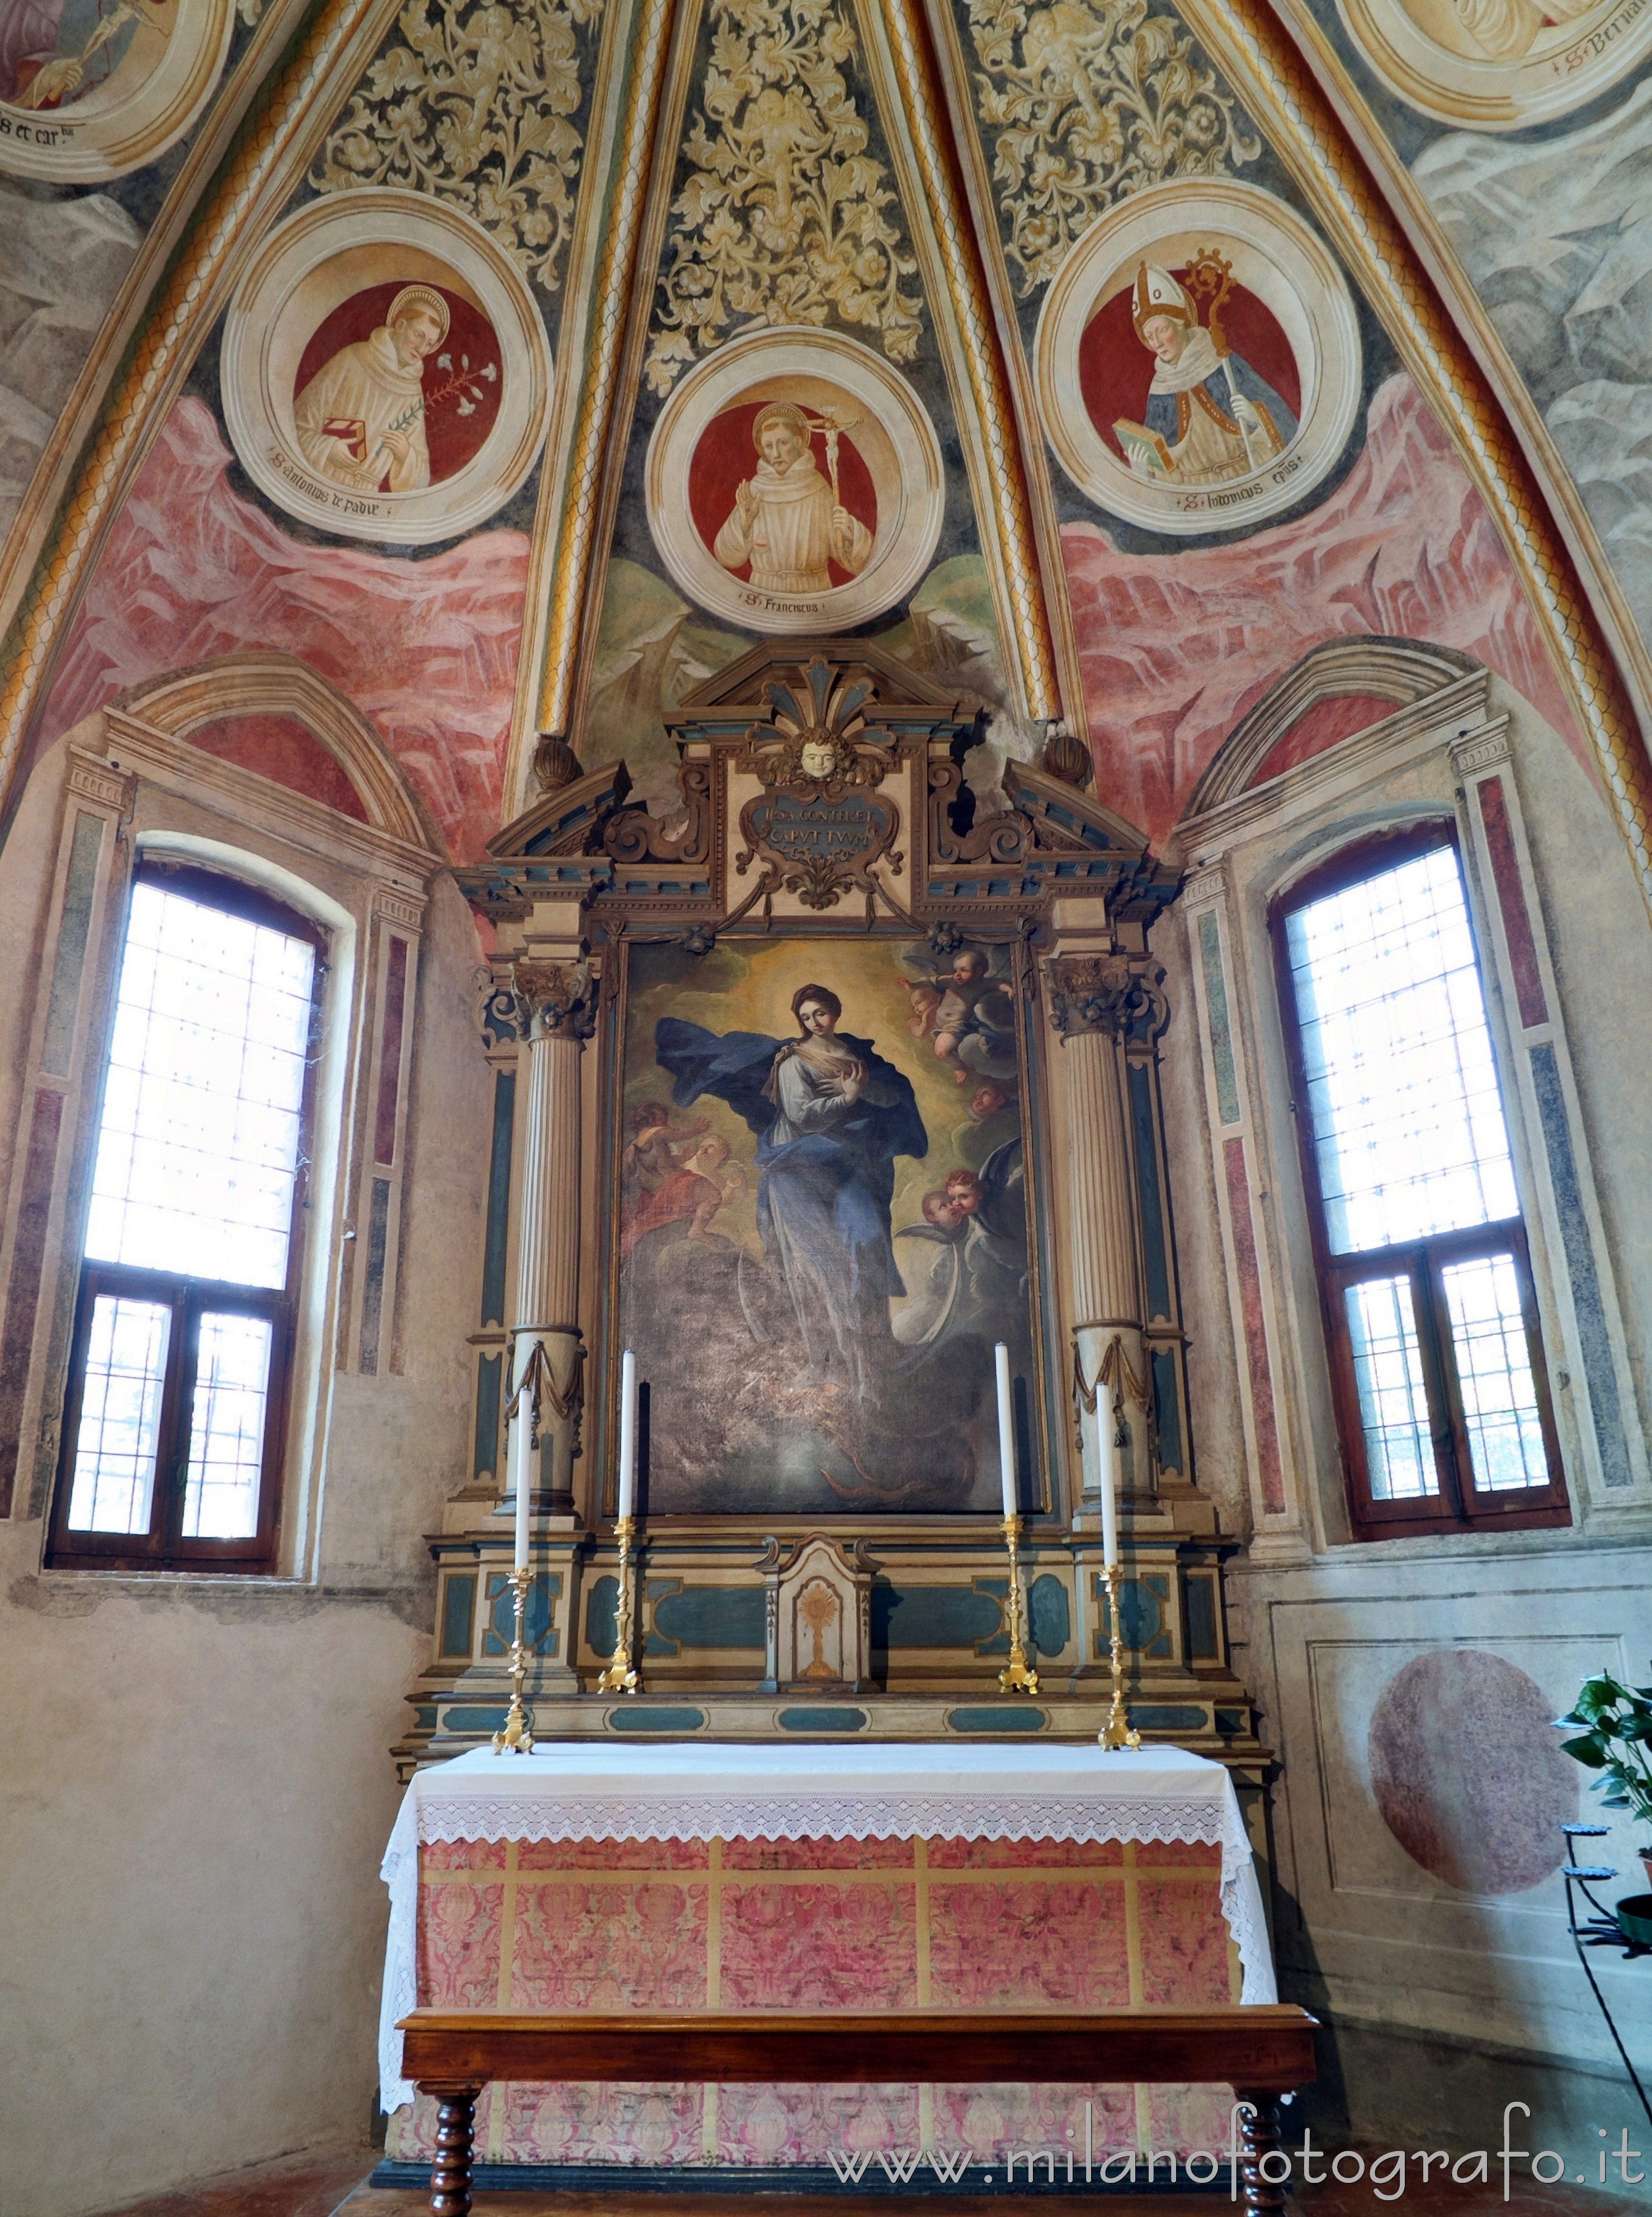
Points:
x=825 y=808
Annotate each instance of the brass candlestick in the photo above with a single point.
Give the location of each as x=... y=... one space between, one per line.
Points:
x=516 y=1738
x=1117 y=1732
x=1015 y=1677
x=622 y=1675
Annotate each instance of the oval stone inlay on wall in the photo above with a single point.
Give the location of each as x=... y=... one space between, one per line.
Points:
x=1468 y=1774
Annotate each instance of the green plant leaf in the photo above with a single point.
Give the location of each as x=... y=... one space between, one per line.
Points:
x=1588 y=1750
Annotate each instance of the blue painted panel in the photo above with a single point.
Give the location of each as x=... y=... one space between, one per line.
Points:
x=1014 y=1719
x=602 y=1616
x=1142 y=1606
x=1579 y=1266
x=1167 y=1410
x=1050 y=1618
x=1201 y=1621
x=656 y=1720
x=1167 y=1718
x=1155 y=1257
x=934 y=1616
x=425 y=1720
x=458 y=1613
x=489 y=1378
x=536 y=1616
x=832 y=1720
x=712 y=1616
x=497 y=1239
x=474 y=1721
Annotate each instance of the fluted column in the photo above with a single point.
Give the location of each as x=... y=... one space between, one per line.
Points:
x=556 y=1006
x=1096 y=1004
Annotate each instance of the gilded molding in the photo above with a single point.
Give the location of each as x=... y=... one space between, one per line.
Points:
x=199 y=283
x=600 y=400
x=923 y=103
x=1278 y=88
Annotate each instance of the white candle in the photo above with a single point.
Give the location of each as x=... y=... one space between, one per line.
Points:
x=1108 y=1452
x=1006 y=1429
x=627 y=1434
x=516 y=1451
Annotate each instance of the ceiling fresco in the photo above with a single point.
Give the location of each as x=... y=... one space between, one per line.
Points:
x=518 y=366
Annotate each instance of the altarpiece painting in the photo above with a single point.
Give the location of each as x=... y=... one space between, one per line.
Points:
x=823 y=1221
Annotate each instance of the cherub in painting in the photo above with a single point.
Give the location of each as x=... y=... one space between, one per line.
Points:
x=964 y=1008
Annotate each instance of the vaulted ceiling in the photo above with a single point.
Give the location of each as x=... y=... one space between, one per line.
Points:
x=1104 y=362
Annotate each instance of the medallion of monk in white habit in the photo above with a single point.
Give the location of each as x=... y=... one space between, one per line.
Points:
x=360 y=419
x=1210 y=417
x=786 y=521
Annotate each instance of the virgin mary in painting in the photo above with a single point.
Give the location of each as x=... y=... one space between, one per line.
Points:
x=831 y=1115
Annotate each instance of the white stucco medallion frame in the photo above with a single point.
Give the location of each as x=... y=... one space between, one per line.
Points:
x=1564 y=64
x=815 y=369
x=160 y=82
x=319 y=258
x=1274 y=256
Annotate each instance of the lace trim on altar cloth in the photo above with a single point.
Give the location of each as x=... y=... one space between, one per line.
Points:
x=1153 y=1818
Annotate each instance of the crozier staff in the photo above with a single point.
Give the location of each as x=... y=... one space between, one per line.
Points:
x=360 y=419
x=786 y=521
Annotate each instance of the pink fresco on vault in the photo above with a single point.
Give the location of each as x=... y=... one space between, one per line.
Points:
x=458 y=1946
x=426 y=650
x=1174 y=649
x=1028 y=1944
x=819 y=1946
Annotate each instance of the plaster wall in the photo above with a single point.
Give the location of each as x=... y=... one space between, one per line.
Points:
x=196 y=1789
x=1439 y=1992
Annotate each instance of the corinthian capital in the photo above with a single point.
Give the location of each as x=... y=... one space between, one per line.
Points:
x=1117 y=995
x=554 y=1000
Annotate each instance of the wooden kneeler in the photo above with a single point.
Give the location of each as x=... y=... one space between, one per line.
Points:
x=1262 y=2052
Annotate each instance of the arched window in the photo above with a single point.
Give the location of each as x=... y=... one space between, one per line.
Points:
x=1431 y=1320
x=175 y=1409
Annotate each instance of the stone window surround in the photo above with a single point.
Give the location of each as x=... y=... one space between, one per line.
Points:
x=133 y=786
x=1432 y=758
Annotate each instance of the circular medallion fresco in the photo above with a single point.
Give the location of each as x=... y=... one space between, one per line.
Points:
x=1468 y=1774
x=384 y=373
x=1197 y=358
x=1499 y=64
x=794 y=482
x=90 y=89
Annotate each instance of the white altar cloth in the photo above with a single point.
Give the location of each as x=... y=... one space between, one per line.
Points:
x=696 y=1789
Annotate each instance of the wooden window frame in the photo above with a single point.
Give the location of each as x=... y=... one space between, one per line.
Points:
x=1459 y=1505
x=164 y=1546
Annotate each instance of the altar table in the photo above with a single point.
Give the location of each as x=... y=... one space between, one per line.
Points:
x=694 y=1875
